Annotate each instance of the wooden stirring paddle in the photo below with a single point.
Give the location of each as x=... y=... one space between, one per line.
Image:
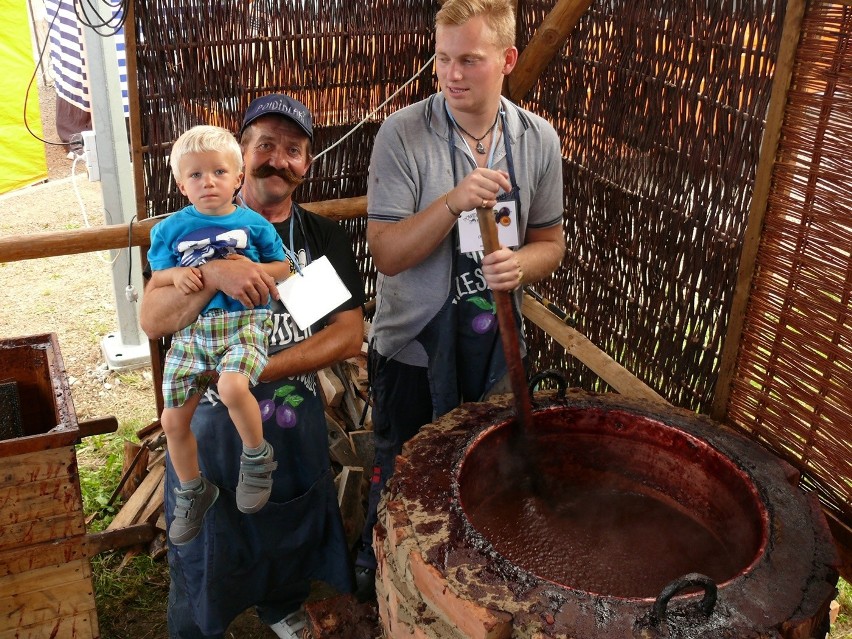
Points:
x=508 y=329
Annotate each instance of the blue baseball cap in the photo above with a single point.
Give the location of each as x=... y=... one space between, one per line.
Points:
x=279 y=104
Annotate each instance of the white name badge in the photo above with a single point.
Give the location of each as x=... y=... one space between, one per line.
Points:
x=314 y=293
x=506 y=215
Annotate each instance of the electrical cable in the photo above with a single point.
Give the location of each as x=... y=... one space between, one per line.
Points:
x=114 y=23
x=130 y=293
x=82 y=206
x=32 y=79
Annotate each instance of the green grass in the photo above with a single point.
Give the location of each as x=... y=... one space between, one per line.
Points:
x=100 y=459
x=844 y=598
x=130 y=592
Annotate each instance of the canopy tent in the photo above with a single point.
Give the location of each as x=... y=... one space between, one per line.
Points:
x=23 y=160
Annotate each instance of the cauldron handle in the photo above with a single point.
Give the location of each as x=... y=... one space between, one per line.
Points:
x=550 y=373
x=692 y=580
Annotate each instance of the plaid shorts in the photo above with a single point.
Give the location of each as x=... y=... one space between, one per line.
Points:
x=225 y=341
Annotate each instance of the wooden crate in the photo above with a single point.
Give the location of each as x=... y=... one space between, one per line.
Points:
x=45 y=575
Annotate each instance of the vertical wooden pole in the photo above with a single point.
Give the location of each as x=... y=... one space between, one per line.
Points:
x=762 y=183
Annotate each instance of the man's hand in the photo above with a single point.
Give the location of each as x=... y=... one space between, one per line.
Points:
x=242 y=279
x=502 y=270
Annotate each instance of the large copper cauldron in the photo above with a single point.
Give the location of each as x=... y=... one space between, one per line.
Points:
x=624 y=520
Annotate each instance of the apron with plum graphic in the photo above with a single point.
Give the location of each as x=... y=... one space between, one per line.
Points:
x=241 y=560
x=462 y=340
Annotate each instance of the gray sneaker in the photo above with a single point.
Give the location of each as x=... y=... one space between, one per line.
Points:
x=255 y=483
x=190 y=508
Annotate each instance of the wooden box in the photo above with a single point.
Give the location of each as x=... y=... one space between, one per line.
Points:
x=45 y=575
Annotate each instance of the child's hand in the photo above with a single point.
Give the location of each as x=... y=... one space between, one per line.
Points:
x=236 y=256
x=188 y=280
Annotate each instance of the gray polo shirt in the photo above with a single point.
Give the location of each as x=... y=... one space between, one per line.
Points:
x=411 y=166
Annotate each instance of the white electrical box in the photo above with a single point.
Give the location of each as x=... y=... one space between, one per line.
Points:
x=91 y=152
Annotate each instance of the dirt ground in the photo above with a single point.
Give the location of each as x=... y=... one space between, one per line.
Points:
x=73 y=296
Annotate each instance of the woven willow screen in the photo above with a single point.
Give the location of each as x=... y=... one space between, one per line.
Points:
x=660 y=105
x=661 y=108
x=793 y=385
x=202 y=62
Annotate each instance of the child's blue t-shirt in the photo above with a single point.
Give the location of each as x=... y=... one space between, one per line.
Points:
x=190 y=238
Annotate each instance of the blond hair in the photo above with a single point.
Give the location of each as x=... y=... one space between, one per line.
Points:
x=203 y=138
x=499 y=16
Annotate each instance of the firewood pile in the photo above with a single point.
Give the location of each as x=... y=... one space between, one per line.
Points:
x=141 y=519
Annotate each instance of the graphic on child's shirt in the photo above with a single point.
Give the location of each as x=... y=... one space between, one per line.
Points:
x=209 y=243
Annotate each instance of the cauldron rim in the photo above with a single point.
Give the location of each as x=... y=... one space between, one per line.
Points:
x=759 y=506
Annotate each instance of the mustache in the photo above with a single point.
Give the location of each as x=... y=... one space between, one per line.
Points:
x=285 y=174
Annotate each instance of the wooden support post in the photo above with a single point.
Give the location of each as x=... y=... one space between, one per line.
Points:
x=546 y=42
x=579 y=346
x=790 y=36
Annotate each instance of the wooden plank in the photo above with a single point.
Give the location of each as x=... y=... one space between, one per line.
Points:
x=97 y=543
x=155 y=505
x=36 y=532
x=363 y=444
x=37 y=466
x=37 y=500
x=134 y=467
x=46 y=578
x=66 y=436
x=38 y=607
x=339 y=446
x=579 y=346
x=81 y=626
x=129 y=513
x=332 y=387
x=35 y=556
x=790 y=34
x=349 y=499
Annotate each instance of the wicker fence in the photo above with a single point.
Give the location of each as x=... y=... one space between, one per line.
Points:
x=662 y=108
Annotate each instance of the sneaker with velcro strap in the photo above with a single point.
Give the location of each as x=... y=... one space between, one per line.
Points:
x=290 y=627
x=190 y=508
x=255 y=484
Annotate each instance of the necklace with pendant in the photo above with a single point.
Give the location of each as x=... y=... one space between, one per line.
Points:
x=480 y=147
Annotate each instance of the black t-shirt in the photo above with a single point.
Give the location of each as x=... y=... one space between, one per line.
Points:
x=313 y=237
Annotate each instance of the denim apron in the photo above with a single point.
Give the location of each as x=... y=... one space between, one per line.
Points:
x=462 y=340
x=268 y=558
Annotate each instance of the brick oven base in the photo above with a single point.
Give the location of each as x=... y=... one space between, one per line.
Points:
x=437 y=580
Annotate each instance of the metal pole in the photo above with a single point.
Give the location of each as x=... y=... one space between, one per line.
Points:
x=125 y=348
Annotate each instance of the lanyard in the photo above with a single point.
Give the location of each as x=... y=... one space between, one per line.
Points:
x=289 y=251
x=451 y=143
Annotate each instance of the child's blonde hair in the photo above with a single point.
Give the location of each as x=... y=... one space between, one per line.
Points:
x=202 y=138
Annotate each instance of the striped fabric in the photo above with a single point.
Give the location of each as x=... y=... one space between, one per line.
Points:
x=67 y=60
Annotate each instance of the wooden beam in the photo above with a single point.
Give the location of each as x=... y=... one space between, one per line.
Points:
x=579 y=346
x=760 y=197
x=119 y=538
x=118 y=236
x=97 y=426
x=546 y=43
